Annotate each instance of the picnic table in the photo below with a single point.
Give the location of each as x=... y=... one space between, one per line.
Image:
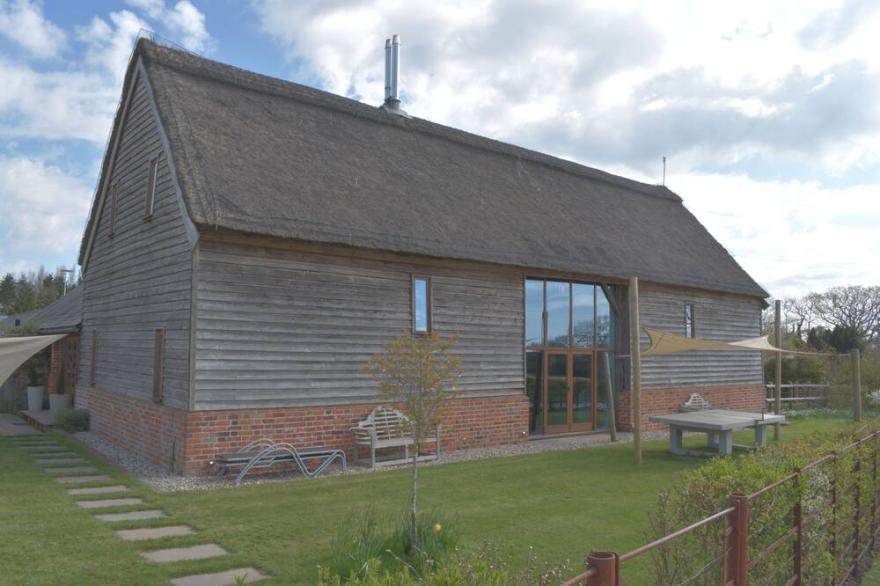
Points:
x=718 y=425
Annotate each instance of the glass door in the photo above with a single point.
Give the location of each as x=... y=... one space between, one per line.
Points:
x=569 y=392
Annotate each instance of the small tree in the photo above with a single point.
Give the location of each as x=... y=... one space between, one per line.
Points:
x=420 y=372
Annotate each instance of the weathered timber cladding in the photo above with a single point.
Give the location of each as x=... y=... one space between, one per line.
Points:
x=139 y=278
x=727 y=318
x=290 y=327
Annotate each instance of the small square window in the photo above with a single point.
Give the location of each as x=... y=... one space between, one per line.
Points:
x=689 y=320
x=150 y=194
x=421 y=298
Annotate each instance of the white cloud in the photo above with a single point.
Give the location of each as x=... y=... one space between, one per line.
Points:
x=109 y=45
x=42 y=210
x=23 y=22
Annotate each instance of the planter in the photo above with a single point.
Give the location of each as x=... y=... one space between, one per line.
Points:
x=35 y=398
x=59 y=403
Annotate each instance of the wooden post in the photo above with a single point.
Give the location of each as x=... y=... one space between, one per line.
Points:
x=856 y=385
x=609 y=391
x=636 y=367
x=607 y=566
x=777 y=387
x=737 y=562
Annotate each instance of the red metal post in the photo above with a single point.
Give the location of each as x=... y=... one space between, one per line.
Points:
x=833 y=545
x=737 y=558
x=607 y=566
x=857 y=501
x=874 y=493
x=799 y=530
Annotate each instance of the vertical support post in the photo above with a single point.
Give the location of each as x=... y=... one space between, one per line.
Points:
x=737 y=562
x=777 y=387
x=609 y=397
x=857 y=502
x=874 y=492
x=833 y=481
x=607 y=566
x=856 y=385
x=636 y=366
x=797 y=547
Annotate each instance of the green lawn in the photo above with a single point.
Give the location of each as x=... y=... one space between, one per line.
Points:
x=561 y=504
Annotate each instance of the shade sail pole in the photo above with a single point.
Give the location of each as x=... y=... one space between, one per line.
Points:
x=636 y=367
x=777 y=387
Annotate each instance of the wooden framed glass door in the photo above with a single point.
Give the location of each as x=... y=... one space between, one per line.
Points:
x=569 y=391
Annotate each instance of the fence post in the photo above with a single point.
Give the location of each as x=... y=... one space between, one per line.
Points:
x=857 y=502
x=799 y=529
x=874 y=492
x=737 y=557
x=833 y=544
x=607 y=566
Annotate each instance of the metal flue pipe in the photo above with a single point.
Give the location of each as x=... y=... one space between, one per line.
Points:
x=395 y=66
x=387 y=69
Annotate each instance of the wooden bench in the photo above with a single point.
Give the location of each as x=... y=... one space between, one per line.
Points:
x=389 y=428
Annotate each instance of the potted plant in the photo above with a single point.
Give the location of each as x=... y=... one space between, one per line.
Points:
x=35 y=389
x=59 y=400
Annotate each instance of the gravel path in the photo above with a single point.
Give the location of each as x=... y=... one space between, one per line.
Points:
x=162 y=479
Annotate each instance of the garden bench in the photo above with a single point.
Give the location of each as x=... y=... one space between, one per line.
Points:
x=389 y=428
x=264 y=453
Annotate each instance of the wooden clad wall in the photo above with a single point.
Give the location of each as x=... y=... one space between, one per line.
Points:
x=294 y=326
x=717 y=317
x=139 y=279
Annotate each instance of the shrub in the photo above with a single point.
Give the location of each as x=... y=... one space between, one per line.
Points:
x=695 y=558
x=73 y=420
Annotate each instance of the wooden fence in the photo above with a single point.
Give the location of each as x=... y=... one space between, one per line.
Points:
x=804 y=395
x=850 y=527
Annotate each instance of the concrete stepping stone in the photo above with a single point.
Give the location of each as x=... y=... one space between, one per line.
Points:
x=226 y=578
x=70 y=470
x=104 y=503
x=180 y=554
x=82 y=479
x=132 y=516
x=97 y=490
x=154 y=532
x=51 y=461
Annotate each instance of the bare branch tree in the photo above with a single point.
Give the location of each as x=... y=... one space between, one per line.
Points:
x=854 y=307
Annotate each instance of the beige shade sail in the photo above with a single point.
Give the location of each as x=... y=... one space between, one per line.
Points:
x=666 y=343
x=15 y=351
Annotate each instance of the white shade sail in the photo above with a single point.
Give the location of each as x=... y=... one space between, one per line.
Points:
x=15 y=351
x=666 y=343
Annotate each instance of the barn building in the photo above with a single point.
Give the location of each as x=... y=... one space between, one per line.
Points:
x=253 y=241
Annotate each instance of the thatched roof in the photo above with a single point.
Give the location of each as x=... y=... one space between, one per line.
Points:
x=264 y=156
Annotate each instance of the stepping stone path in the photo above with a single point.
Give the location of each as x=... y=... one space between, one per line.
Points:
x=83 y=479
x=51 y=461
x=228 y=577
x=180 y=554
x=48 y=453
x=154 y=532
x=132 y=516
x=97 y=490
x=103 y=504
x=70 y=470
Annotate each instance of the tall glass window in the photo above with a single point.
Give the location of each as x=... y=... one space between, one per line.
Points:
x=558 y=310
x=604 y=320
x=582 y=308
x=689 y=320
x=421 y=305
x=534 y=313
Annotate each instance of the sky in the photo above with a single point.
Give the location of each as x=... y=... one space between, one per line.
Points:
x=768 y=113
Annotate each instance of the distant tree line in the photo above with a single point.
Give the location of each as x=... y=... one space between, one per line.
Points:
x=33 y=290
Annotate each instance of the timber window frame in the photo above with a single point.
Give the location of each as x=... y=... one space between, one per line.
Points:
x=421 y=306
x=152 y=185
x=158 y=365
x=690 y=323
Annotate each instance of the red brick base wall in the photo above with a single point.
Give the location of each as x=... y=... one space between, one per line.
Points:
x=662 y=401
x=466 y=423
x=143 y=427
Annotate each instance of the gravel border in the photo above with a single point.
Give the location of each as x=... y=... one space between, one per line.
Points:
x=161 y=479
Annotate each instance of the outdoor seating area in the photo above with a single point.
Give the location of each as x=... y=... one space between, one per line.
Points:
x=718 y=425
x=388 y=429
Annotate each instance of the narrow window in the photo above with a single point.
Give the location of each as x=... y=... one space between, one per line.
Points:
x=94 y=357
x=158 y=364
x=114 y=202
x=150 y=196
x=689 y=320
x=421 y=298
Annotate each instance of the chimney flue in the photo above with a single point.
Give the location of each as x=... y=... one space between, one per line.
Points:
x=392 y=71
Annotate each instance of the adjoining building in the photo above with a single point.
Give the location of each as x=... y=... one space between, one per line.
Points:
x=253 y=241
